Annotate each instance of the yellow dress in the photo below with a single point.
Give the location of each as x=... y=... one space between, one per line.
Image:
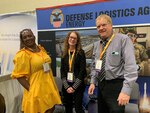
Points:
x=43 y=93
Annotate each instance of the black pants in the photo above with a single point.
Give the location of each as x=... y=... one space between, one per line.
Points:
x=108 y=92
x=73 y=100
x=2 y=104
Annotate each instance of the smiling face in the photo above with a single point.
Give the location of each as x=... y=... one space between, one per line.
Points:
x=72 y=41
x=28 y=38
x=104 y=26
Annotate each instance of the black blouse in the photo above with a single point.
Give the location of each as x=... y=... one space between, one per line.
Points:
x=79 y=69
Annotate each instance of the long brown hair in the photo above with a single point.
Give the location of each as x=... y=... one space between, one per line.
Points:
x=66 y=44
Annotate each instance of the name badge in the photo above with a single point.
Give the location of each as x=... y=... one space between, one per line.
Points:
x=70 y=77
x=46 y=67
x=98 y=64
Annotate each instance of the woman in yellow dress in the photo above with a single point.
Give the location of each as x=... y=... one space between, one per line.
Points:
x=32 y=70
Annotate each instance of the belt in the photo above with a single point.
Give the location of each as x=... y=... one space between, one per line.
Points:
x=115 y=80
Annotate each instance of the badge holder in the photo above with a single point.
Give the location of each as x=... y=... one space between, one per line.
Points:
x=98 y=65
x=70 y=77
x=46 y=67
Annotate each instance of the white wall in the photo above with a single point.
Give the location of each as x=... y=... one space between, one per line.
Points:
x=11 y=6
x=10 y=26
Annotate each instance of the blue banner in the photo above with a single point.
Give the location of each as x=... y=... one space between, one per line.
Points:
x=123 y=12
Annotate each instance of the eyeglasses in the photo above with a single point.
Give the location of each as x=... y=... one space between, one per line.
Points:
x=74 y=38
x=132 y=35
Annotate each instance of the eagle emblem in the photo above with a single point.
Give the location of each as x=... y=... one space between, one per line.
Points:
x=56 y=18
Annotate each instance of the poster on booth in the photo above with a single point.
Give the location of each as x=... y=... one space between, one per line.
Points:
x=10 y=27
x=129 y=19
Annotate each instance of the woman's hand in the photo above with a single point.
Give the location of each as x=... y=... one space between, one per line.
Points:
x=70 y=90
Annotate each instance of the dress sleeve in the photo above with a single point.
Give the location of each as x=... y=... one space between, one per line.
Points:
x=21 y=65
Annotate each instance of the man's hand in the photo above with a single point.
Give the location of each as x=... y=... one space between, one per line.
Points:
x=123 y=99
x=91 y=89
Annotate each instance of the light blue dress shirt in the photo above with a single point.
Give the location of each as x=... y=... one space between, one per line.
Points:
x=120 y=62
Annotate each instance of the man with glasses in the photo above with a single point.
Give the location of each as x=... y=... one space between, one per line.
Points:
x=139 y=50
x=113 y=66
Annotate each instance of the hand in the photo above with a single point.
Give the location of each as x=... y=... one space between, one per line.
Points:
x=123 y=99
x=70 y=90
x=91 y=89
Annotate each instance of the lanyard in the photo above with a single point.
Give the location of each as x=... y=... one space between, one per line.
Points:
x=71 y=59
x=106 y=46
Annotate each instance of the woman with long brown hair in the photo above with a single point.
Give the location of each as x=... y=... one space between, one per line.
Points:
x=73 y=72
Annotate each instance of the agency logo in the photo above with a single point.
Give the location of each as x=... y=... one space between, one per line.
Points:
x=56 y=18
